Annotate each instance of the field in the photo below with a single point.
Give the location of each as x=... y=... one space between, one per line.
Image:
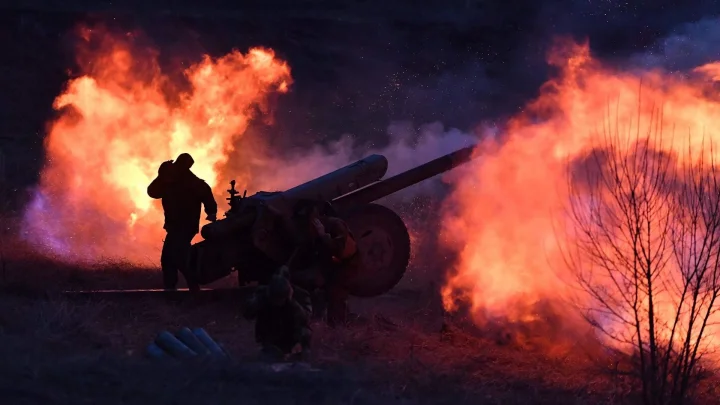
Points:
x=403 y=349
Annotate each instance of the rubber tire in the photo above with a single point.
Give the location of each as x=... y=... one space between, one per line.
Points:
x=375 y=283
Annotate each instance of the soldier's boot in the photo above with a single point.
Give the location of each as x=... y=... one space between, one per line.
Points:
x=271 y=353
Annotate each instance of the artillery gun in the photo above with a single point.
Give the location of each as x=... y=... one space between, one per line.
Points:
x=255 y=237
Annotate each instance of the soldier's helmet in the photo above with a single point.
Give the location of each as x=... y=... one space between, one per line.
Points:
x=279 y=290
x=184 y=161
x=166 y=169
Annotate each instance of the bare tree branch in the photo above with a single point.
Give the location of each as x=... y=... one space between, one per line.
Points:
x=645 y=248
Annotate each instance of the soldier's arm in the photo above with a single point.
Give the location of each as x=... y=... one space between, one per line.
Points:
x=208 y=200
x=156 y=189
x=303 y=300
x=336 y=236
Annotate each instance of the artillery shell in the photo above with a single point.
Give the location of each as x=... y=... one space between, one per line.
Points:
x=154 y=351
x=172 y=345
x=186 y=336
x=206 y=340
x=225 y=352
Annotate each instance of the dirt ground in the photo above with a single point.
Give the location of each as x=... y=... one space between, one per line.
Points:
x=403 y=349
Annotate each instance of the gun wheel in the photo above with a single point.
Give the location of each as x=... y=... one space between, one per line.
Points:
x=384 y=247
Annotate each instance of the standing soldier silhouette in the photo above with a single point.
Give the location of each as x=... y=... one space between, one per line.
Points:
x=182 y=194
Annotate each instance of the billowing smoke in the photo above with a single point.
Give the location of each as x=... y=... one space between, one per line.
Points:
x=408 y=146
x=503 y=216
x=688 y=46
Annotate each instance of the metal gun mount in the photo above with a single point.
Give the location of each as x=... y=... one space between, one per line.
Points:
x=234 y=201
x=255 y=237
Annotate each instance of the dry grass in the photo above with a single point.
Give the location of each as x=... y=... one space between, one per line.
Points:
x=403 y=350
x=62 y=352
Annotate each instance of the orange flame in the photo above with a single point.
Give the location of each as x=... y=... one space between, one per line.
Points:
x=118 y=122
x=502 y=216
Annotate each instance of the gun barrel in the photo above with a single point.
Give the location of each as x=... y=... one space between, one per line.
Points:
x=342 y=181
x=405 y=179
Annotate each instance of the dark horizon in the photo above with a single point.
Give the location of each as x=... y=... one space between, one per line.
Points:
x=357 y=66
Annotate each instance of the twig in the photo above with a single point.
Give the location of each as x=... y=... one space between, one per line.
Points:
x=647 y=234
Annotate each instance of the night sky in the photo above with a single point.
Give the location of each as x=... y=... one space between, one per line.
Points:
x=357 y=65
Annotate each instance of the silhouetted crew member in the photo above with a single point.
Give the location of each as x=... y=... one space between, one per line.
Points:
x=182 y=194
x=282 y=318
x=336 y=260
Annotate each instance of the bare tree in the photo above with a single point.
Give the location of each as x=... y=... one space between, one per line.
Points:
x=644 y=245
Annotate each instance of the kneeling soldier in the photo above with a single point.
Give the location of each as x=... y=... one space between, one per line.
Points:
x=282 y=319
